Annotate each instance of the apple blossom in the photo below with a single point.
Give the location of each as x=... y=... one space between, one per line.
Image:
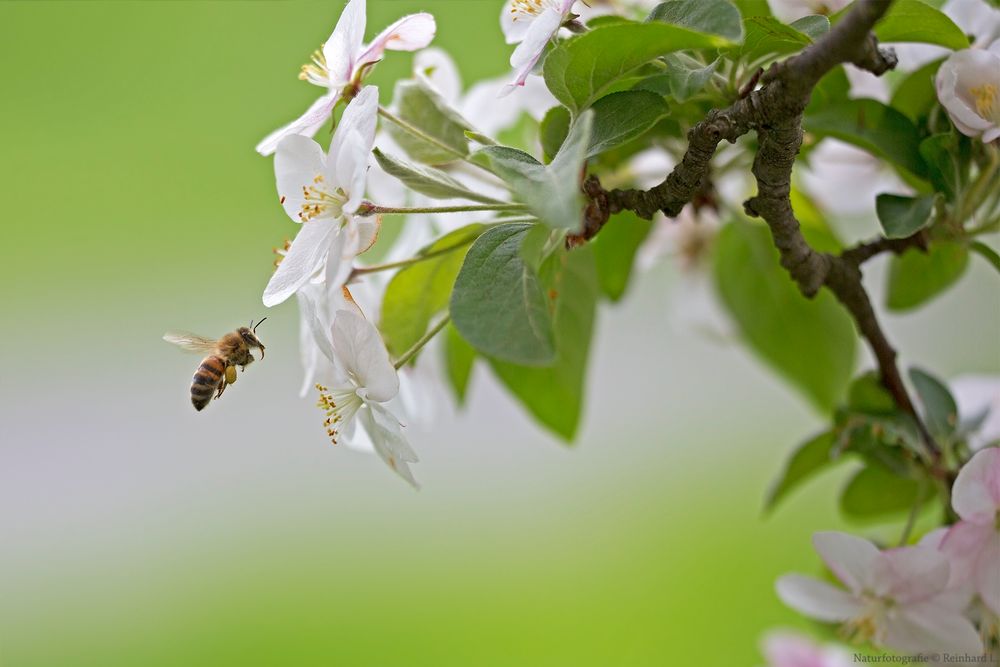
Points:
x=973 y=544
x=968 y=86
x=322 y=192
x=786 y=649
x=480 y=102
x=355 y=386
x=836 y=167
x=976 y=18
x=978 y=399
x=532 y=23
x=894 y=598
x=344 y=60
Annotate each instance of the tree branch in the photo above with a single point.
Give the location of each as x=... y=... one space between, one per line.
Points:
x=774 y=112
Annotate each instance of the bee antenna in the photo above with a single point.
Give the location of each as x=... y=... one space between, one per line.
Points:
x=254 y=329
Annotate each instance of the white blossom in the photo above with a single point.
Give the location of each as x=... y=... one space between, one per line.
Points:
x=896 y=598
x=322 y=192
x=968 y=86
x=344 y=60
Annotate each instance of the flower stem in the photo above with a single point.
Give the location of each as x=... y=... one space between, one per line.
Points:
x=420 y=134
x=367 y=208
x=911 y=519
x=426 y=338
x=388 y=266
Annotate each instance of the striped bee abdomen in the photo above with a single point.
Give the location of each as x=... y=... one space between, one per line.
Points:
x=206 y=381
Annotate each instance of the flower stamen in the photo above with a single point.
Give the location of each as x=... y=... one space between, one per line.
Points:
x=316 y=71
x=528 y=8
x=986 y=101
x=330 y=411
x=320 y=201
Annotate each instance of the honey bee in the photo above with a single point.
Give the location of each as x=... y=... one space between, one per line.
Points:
x=218 y=370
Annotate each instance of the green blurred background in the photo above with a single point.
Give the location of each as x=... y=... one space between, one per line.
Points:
x=134 y=531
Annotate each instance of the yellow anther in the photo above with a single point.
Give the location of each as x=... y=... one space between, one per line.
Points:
x=986 y=101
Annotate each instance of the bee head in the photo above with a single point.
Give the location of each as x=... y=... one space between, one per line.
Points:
x=249 y=335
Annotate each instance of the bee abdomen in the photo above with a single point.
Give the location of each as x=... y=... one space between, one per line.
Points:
x=206 y=381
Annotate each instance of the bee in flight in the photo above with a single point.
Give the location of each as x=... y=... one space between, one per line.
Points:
x=217 y=370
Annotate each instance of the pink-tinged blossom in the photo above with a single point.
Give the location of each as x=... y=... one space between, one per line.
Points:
x=973 y=544
x=896 y=599
x=344 y=60
x=531 y=24
x=787 y=649
x=323 y=191
x=968 y=86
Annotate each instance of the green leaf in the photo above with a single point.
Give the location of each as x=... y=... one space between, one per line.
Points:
x=686 y=76
x=940 y=411
x=622 y=117
x=615 y=249
x=427 y=180
x=767 y=36
x=807 y=460
x=811 y=342
x=873 y=126
x=582 y=68
x=987 y=253
x=813 y=223
x=753 y=7
x=867 y=395
x=423 y=108
x=553 y=131
x=877 y=492
x=420 y=291
x=554 y=395
x=459 y=358
x=916 y=94
x=548 y=190
x=813 y=26
x=916 y=277
x=498 y=304
x=915 y=21
x=716 y=17
x=940 y=153
x=903 y=216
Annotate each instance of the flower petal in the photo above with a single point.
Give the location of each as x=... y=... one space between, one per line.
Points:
x=527 y=53
x=304 y=258
x=987 y=580
x=390 y=443
x=976 y=493
x=344 y=45
x=361 y=352
x=931 y=627
x=409 y=33
x=909 y=574
x=817 y=599
x=513 y=30
x=298 y=161
x=435 y=67
x=352 y=144
x=306 y=125
x=852 y=559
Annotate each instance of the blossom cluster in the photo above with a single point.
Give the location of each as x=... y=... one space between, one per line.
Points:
x=939 y=594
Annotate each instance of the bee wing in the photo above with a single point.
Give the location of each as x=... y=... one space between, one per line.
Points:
x=189 y=341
